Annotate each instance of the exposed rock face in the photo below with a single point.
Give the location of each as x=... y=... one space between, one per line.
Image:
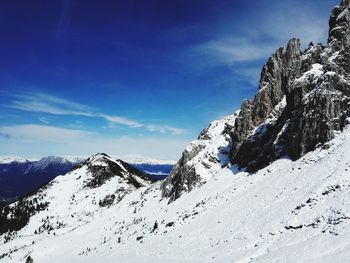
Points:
x=301 y=98
x=102 y=168
x=202 y=159
x=317 y=93
x=339 y=26
x=276 y=76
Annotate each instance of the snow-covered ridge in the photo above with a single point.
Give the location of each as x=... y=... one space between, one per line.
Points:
x=202 y=159
x=287 y=212
x=10 y=159
x=283 y=211
x=102 y=167
x=211 y=149
x=47 y=159
x=74 y=198
x=76 y=159
x=45 y=162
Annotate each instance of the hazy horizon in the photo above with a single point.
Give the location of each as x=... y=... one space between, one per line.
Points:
x=135 y=78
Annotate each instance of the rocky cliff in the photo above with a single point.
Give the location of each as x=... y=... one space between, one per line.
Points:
x=275 y=80
x=315 y=85
x=302 y=101
x=201 y=160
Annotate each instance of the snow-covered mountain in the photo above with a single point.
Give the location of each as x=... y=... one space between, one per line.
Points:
x=287 y=212
x=270 y=183
x=148 y=161
x=303 y=98
x=12 y=159
x=97 y=182
x=202 y=159
x=52 y=161
x=155 y=171
x=20 y=176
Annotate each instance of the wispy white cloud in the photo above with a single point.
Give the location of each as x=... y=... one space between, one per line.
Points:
x=44 y=103
x=166 y=129
x=33 y=132
x=302 y=21
x=251 y=74
x=39 y=102
x=259 y=40
x=176 y=131
x=44 y=120
x=236 y=49
x=43 y=140
x=122 y=121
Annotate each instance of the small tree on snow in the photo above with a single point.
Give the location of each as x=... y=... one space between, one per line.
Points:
x=29 y=260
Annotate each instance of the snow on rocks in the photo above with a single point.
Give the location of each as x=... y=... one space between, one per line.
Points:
x=201 y=160
x=290 y=211
x=315 y=72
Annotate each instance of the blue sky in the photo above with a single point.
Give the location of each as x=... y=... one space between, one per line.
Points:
x=135 y=78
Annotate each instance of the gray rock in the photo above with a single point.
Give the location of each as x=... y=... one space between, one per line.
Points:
x=275 y=79
x=202 y=159
x=317 y=94
x=339 y=26
x=298 y=106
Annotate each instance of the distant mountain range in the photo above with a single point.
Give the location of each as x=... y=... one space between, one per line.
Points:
x=21 y=176
x=269 y=183
x=155 y=171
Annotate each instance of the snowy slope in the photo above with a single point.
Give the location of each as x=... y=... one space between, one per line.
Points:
x=211 y=148
x=79 y=197
x=202 y=159
x=288 y=212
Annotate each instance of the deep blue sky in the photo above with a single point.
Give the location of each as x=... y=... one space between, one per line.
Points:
x=135 y=78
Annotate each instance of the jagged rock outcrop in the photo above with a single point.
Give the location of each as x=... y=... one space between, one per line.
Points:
x=339 y=27
x=202 y=159
x=317 y=94
x=102 y=168
x=276 y=76
x=299 y=104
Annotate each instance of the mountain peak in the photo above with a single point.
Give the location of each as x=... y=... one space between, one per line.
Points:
x=297 y=108
x=293 y=48
x=345 y=3
x=101 y=168
x=98 y=159
x=100 y=155
x=339 y=25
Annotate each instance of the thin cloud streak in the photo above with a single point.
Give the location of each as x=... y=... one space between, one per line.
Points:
x=230 y=50
x=64 y=20
x=46 y=133
x=121 y=120
x=46 y=140
x=44 y=103
x=166 y=129
x=259 y=41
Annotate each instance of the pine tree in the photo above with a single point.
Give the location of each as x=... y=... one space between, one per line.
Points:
x=29 y=260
